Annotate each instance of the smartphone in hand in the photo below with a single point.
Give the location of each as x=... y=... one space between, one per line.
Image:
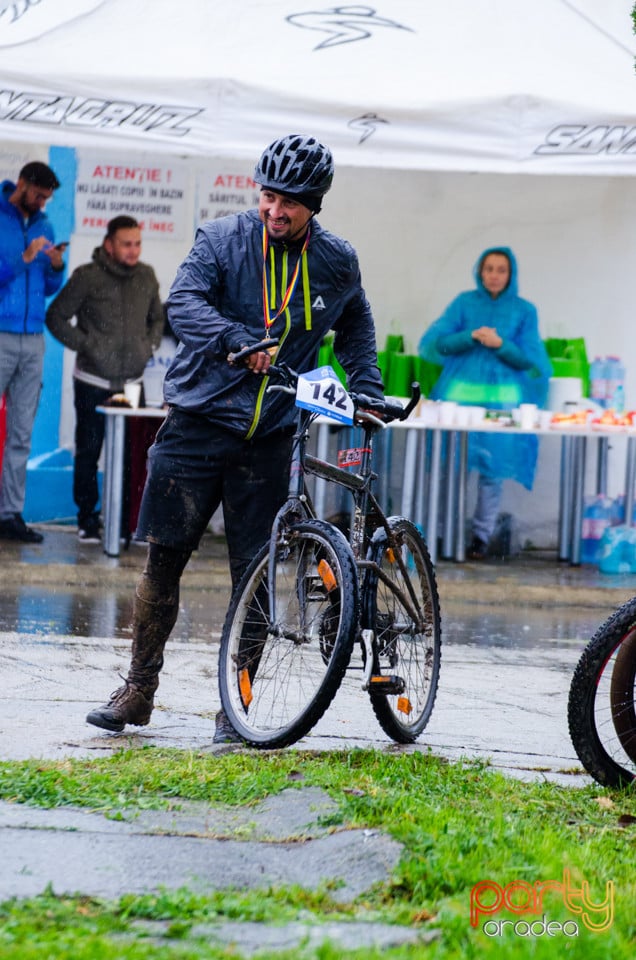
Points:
x=61 y=246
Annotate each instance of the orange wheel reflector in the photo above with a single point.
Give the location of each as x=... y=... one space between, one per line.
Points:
x=390 y=555
x=245 y=686
x=404 y=705
x=326 y=575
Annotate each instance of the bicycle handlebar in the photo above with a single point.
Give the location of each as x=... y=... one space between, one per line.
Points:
x=382 y=410
x=246 y=352
x=378 y=409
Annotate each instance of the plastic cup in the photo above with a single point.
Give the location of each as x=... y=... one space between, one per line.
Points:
x=447 y=411
x=132 y=392
x=545 y=419
x=462 y=416
x=476 y=416
x=528 y=416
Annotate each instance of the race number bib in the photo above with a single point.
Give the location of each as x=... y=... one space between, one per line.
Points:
x=321 y=392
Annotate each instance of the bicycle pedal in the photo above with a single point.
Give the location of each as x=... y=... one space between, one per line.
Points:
x=386 y=684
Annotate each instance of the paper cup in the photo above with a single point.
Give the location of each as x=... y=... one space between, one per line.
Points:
x=132 y=392
x=528 y=416
x=477 y=415
x=447 y=412
x=462 y=416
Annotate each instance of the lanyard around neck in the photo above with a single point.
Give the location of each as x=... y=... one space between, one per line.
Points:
x=269 y=320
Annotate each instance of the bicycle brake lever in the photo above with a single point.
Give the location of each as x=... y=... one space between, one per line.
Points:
x=370 y=418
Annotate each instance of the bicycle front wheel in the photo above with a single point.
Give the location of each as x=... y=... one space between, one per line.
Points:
x=277 y=678
x=402 y=608
x=601 y=713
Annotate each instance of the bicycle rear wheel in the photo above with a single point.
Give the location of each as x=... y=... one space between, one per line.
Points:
x=601 y=713
x=277 y=679
x=402 y=607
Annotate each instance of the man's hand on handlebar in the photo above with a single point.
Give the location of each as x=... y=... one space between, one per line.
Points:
x=384 y=411
x=255 y=356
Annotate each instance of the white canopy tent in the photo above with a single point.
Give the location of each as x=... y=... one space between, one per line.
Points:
x=469 y=85
x=436 y=114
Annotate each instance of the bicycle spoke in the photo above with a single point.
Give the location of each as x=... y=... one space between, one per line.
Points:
x=292 y=666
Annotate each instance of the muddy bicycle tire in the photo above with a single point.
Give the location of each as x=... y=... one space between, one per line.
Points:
x=601 y=713
x=408 y=642
x=276 y=680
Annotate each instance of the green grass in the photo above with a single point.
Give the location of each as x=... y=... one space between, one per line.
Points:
x=460 y=824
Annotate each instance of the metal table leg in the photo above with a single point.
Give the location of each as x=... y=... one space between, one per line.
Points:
x=449 y=506
x=420 y=472
x=410 y=474
x=580 y=445
x=630 y=480
x=601 y=464
x=433 y=495
x=460 y=543
x=115 y=432
x=565 y=500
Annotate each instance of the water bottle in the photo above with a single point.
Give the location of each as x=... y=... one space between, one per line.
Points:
x=615 y=385
x=618 y=510
x=618 y=550
x=597 y=381
x=597 y=517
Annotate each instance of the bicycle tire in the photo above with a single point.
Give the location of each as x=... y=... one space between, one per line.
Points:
x=276 y=682
x=407 y=646
x=601 y=714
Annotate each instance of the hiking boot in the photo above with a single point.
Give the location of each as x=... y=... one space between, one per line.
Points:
x=126 y=705
x=14 y=528
x=225 y=732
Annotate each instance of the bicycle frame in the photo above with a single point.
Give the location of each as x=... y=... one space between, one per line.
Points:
x=365 y=507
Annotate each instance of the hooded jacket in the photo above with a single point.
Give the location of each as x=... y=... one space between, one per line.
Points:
x=516 y=372
x=215 y=306
x=119 y=315
x=24 y=287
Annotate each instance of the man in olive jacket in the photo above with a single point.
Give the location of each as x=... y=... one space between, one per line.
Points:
x=119 y=322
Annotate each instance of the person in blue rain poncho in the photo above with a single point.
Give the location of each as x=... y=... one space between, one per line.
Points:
x=488 y=344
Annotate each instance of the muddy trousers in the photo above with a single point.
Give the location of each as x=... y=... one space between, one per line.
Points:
x=155 y=611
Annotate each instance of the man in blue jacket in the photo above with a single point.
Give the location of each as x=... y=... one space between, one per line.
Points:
x=272 y=272
x=31 y=269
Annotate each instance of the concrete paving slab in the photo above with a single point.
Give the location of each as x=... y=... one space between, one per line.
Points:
x=282 y=842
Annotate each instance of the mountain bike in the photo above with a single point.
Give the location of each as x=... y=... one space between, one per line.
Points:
x=601 y=704
x=312 y=595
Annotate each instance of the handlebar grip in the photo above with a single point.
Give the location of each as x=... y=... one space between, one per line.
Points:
x=416 y=393
x=253 y=348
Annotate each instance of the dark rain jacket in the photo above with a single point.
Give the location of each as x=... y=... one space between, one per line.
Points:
x=24 y=287
x=119 y=315
x=215 y=305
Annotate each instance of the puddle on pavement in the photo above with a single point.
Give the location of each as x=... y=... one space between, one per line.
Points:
x=40 y=612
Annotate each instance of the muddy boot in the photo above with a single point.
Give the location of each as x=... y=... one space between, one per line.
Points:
x=128 y=704
x=133 y=703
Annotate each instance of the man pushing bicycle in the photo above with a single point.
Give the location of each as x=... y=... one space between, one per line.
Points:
x=271 y=272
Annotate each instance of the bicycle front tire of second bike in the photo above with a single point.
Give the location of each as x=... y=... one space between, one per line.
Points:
x=277 y=679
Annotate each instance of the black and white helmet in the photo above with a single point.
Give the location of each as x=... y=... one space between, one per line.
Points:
x=296 y=165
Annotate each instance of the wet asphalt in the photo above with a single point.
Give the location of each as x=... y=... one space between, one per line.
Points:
x=512 y=633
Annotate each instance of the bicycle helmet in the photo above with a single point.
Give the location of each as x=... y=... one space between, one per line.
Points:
x=298 y=167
